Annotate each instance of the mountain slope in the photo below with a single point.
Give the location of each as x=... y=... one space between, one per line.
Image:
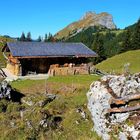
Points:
x=116 y=63
x=3 y=40
x=90 y=19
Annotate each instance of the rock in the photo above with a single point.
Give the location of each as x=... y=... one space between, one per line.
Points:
x=99 y=97
x=28 y=102
x=50 y=122
x=132 y=132
x=43 y=123
x=82 y=113
x=12 y=124
x=5 y=90
x=29 y=124
x=50 y=98
x=21 y=114
x=122 y=136
x=98 y=102
x=77 y=122
x=90 y=19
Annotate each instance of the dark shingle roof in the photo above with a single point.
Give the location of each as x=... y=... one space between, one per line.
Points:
x=35 y=49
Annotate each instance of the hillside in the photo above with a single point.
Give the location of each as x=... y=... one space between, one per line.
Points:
x=116 y=63
x=3 y=41
x=25 y=120
x=112 y=39
x=90 y=19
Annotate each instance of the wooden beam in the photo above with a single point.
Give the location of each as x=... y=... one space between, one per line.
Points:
x=62 y=56
x=123 y=110
x=125 y=99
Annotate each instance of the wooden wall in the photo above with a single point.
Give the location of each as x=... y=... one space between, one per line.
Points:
x=14 y=68
x=52 y=66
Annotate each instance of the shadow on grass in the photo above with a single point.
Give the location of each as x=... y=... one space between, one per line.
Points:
x=16 y=96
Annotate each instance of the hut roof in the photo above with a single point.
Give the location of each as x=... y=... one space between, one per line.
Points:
x=42 y=49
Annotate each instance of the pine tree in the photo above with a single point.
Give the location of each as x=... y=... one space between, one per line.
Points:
x=39 y=39
x=28 y=37
x=46 y=38
x=136 y=36
x=50 y=37
x=22 y=38
x=126 y=45
x=98 y=47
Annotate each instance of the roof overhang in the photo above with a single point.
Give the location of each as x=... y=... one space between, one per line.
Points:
x=55 y=56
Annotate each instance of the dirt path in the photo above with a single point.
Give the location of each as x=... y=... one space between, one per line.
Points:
x=11 y=77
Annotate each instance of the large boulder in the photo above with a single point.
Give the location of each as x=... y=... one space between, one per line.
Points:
x=101 y=94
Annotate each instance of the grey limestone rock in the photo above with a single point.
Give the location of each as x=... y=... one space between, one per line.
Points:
x=99 y=99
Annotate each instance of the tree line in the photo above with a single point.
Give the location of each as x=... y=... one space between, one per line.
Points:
x=28 y=38
x=107 y=43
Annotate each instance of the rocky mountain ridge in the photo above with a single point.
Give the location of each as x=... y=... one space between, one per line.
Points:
x=90 y=19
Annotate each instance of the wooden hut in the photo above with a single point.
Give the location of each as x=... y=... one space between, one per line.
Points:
x=39 y=57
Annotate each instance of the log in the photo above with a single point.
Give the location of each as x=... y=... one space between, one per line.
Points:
x=125 y=99
x=137 y=125
x=123 y=110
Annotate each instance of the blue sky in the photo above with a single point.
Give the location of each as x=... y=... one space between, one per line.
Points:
x=43 y=16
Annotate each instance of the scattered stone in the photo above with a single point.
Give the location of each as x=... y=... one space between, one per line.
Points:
x=43 y=123
x=122 y=136
x=50 y=98
x=28 y=102
x=77 y=122
x=82 y=113
x=5 y=90
x=29 y=124
x=12 y=124
x=21 y=114
x=50 y=122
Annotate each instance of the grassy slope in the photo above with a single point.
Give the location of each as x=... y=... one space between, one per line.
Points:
x=117 y=32
x=32 y=86
x=71 y=91
x=3 y=41
x=116 y=63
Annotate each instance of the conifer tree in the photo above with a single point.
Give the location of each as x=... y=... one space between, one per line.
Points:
x=46 y=38
x=39 y=39
x=136 y=36
x=126 y=45
x=28 y=37
x=98 y=47
x=22 y=38
x=50 y=38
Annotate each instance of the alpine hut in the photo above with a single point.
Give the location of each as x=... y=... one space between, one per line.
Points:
x=53 y=58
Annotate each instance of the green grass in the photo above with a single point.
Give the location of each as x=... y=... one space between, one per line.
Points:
x=3 y=41
x=35 y=86
x=81 y=79
x=116 y=63
x=65 y=105
x=27 y=84
x=117 y=32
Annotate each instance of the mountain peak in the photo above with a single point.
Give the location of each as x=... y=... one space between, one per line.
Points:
x=89 y=14
x=90 y=19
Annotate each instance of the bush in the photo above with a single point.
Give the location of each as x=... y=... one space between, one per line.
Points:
x=3 y=105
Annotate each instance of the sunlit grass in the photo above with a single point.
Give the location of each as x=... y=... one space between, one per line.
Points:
x=116 y=63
